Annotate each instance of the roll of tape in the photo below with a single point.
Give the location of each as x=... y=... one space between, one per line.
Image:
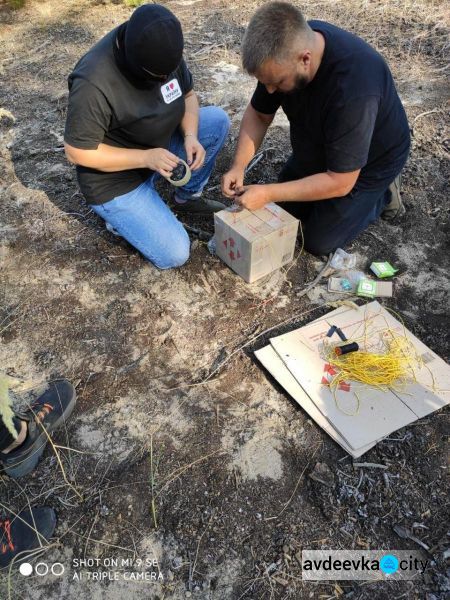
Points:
x=184 y=180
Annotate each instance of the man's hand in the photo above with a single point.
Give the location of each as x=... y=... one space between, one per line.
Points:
x=195 y=152
x=232 y=181
x=253 y=197
x=161 y=160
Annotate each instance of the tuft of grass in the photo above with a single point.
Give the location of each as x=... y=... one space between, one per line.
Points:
x=6 y=411
x=131 y=3
x=152 y=485
x=16 y=4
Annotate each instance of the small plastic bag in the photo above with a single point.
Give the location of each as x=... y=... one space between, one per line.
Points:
x=383 y=269
x=353 y=277
x=342 y=260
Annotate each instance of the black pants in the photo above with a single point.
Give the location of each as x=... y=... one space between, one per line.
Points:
x=6 y=439
x=334 y=223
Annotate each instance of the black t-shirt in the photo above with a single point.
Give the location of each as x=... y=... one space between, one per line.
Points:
x=105 y=107
x=348 y=117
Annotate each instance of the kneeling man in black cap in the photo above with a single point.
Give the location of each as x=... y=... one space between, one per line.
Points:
x=132 y=115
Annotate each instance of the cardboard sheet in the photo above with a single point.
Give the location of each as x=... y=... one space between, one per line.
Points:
x=380 y=412
x=273 y=363
x=432 y=390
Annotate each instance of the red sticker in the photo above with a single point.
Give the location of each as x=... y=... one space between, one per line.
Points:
x=345 y=387
x=329 y=369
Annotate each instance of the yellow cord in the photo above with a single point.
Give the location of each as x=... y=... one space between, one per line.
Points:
x=382 y=370
x=389 y=361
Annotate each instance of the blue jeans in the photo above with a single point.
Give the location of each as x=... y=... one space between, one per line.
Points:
x=144 y=219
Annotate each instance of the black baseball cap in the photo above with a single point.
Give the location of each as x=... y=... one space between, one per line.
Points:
x=153 y=42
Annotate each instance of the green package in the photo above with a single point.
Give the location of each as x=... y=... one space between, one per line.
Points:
x=367 y=288
x=383 y=269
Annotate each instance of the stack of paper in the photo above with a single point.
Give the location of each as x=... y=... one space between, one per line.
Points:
x=294 y=360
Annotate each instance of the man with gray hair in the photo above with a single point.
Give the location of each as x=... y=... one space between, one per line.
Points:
x=349 y=133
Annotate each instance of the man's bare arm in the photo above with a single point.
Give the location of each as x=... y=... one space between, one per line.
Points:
x=189 y=122
x=254 y=126
x=315 y=187
x=109 y=159
x=321 y=186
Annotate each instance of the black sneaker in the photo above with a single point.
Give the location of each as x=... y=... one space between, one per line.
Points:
x=395 y=207
x=197 y=206
x=46 y=414
x=27 y=531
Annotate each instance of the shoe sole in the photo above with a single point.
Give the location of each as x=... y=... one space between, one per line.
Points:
x=26 y=465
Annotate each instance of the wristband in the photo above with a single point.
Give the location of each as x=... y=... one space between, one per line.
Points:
x=189 y=135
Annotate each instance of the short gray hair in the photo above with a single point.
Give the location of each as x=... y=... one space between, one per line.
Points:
x=272 y=33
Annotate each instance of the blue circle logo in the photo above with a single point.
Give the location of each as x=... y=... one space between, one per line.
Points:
x=389 y=564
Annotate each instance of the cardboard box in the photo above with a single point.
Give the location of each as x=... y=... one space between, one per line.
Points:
x=255 y=243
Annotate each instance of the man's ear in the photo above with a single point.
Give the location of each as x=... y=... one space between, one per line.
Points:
x=305 y=58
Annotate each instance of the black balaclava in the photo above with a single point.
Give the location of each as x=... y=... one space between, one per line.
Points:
x=151 y=42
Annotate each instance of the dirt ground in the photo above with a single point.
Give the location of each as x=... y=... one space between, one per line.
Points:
x=208 y=478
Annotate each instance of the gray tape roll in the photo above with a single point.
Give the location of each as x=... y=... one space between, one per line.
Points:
x=186 y=177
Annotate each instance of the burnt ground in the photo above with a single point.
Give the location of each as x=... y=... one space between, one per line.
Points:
x=227 y=460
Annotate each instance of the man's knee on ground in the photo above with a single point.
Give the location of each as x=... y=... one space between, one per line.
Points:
x=220 y=121
x=175 y=256
x=319 y=246
x=223 y=121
